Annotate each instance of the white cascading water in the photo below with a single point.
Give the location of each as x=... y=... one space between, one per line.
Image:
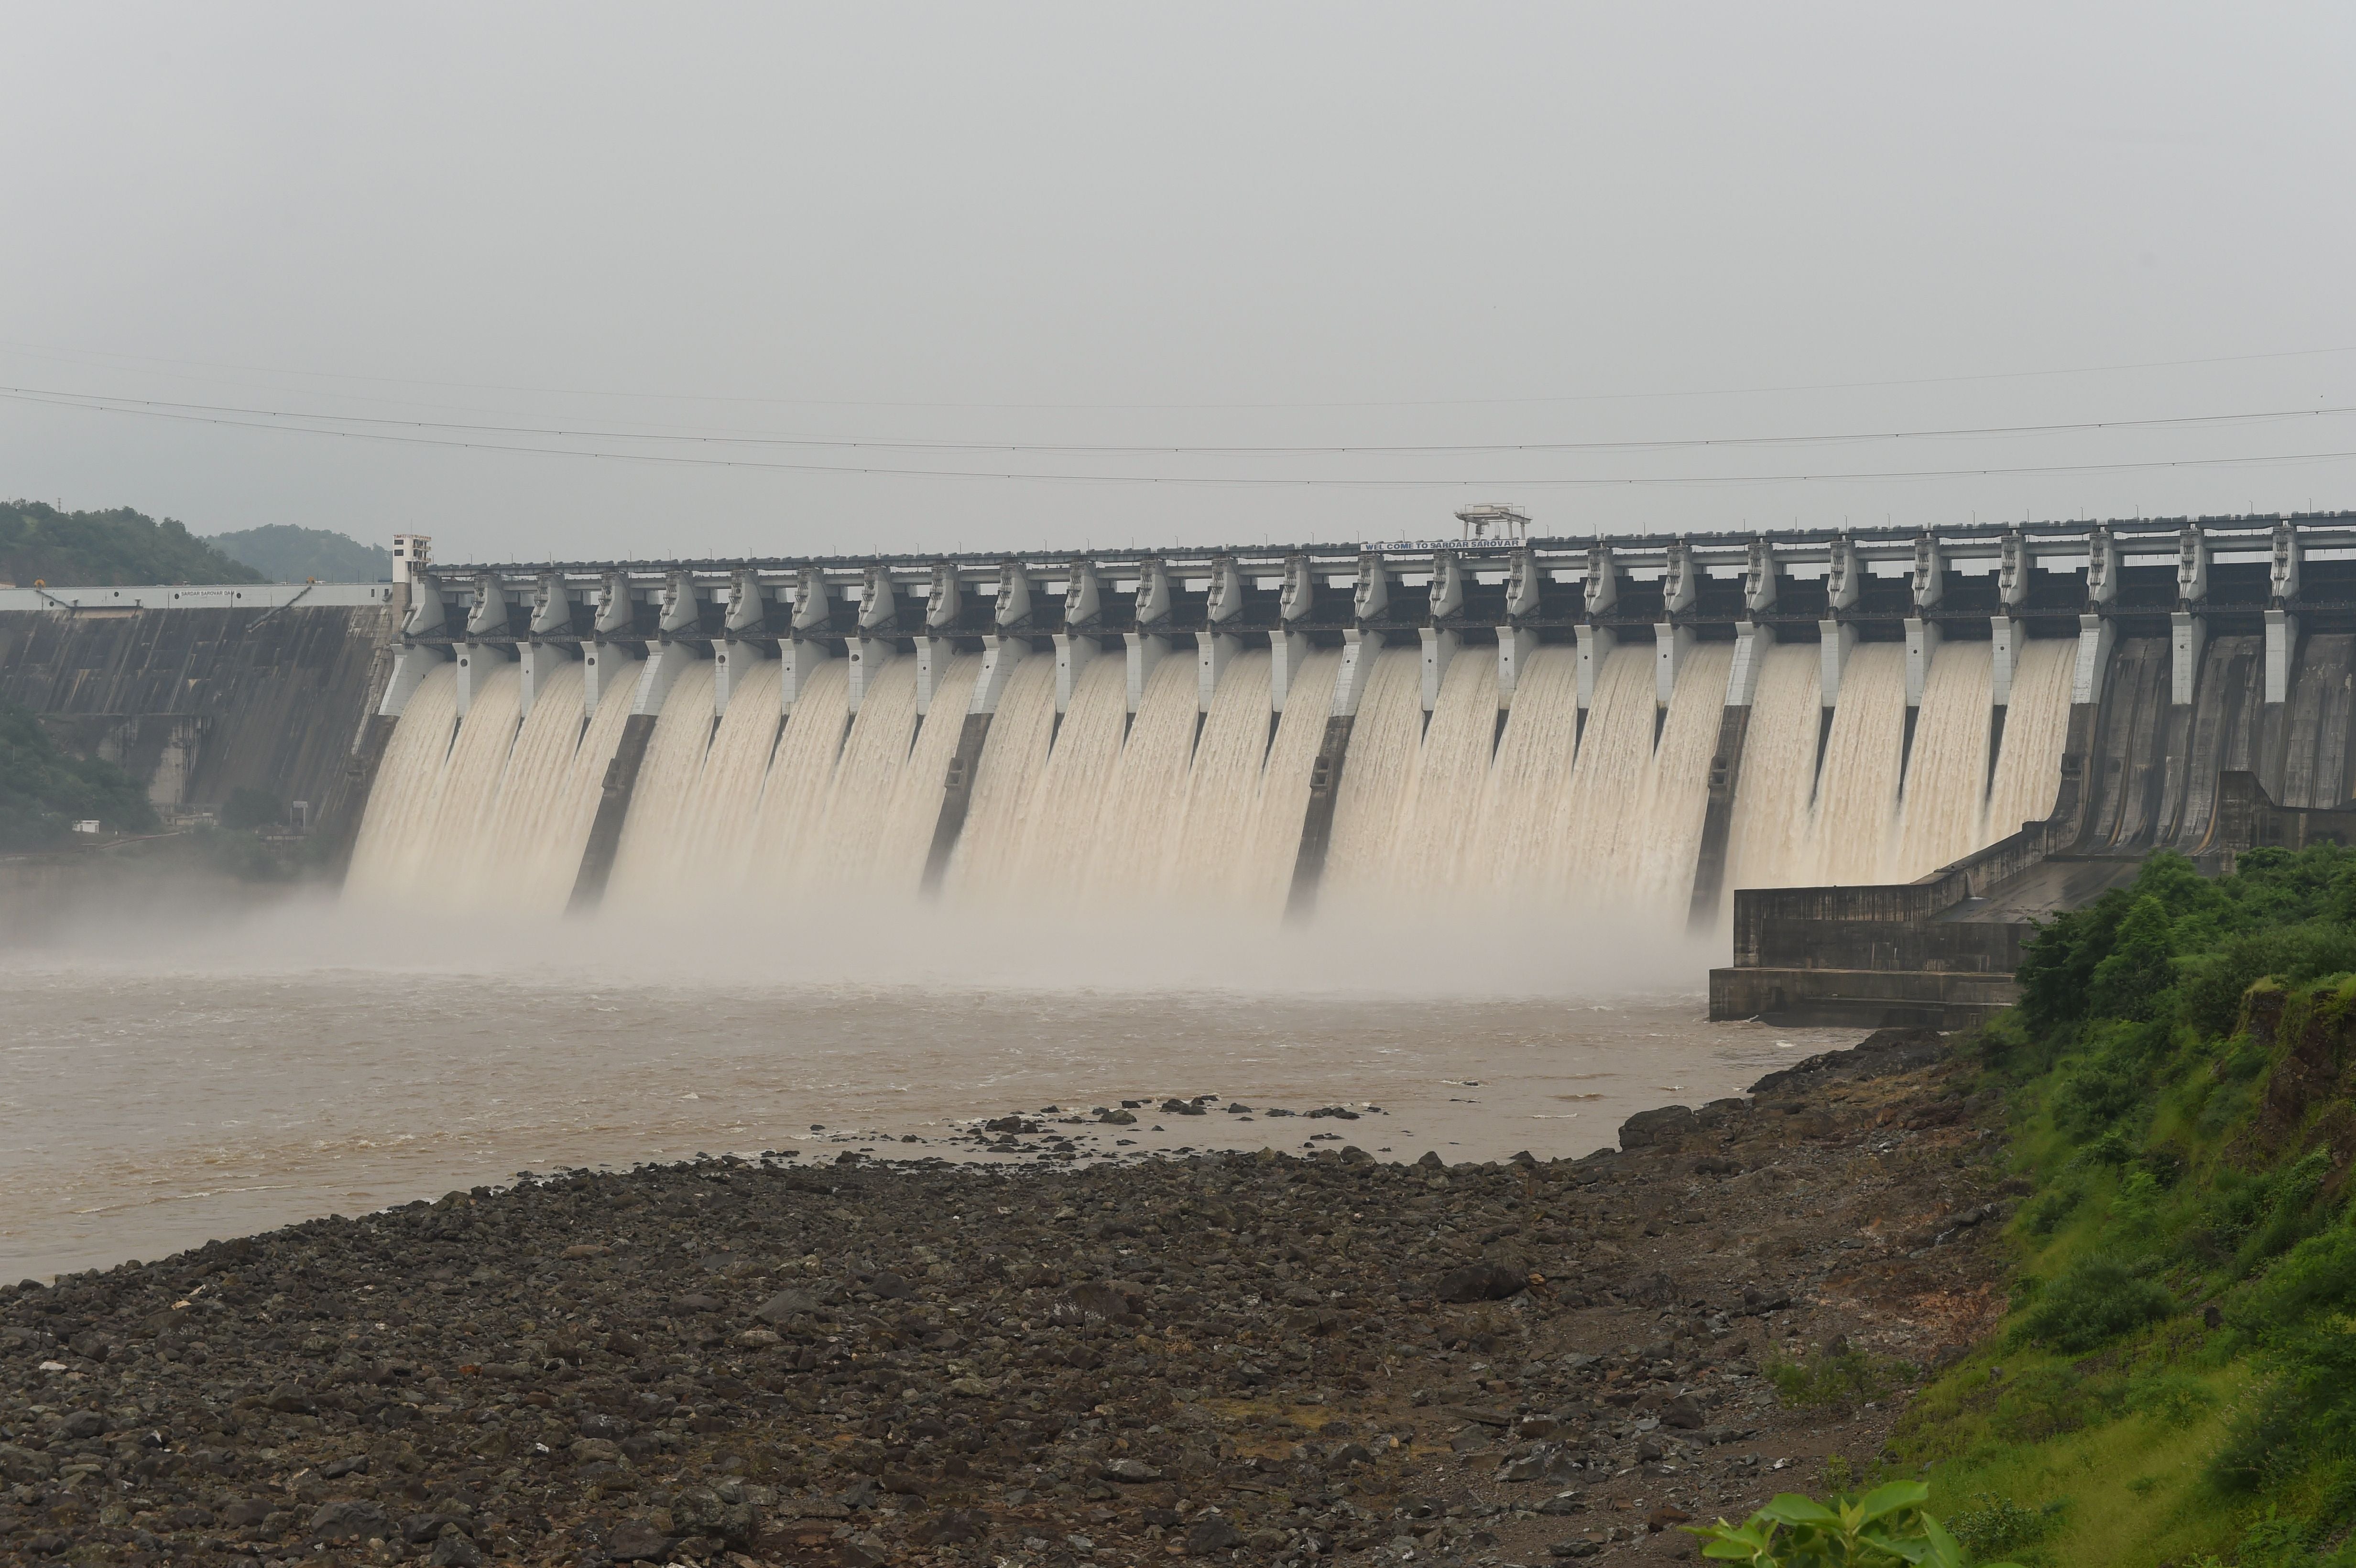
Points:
x=1069 y=794
x=546 y=873
x=1274 y=841
x=2036 y=730
x=1944 y=807
x=655 y=834
x=1006 y=782
x=1145 y=795
x=1769 y=840
x=1530 y=771
x=531 y=854
x=893 y=866
x=1377 y=779
x=1102 y=807
x=1210 y=869
x=800 y=782
x=724 y=816
x=1856 y=783
x=396 y=838
x=1437 y=819
x=469 y=796
x=1677 y=786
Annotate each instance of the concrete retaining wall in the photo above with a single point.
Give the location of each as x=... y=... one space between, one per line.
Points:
x=196 y=703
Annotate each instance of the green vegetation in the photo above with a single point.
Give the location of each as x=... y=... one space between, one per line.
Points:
x=43 y=791
x=1884 y=1529
x=2175 y=1383
x=286 y=554
x=40 y=544
x=246 y=809
x=1840 y=1376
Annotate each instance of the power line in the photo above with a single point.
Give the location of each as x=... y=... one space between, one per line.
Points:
x=1119 y=406
x=728 y=438
x=675 y=459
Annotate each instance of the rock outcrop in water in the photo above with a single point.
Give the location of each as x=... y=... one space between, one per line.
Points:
x=1255 y=1357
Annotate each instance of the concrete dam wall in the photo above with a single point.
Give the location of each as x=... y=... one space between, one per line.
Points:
x=1839 y=749
x=200 y=691
x=1626 y=727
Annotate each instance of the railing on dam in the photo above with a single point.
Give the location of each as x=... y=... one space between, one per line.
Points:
x=201 y=596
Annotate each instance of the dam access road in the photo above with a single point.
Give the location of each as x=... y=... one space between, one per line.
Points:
x=1237 y=1357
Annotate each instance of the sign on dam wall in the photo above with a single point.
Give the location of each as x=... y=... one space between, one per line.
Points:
x=1625 y=729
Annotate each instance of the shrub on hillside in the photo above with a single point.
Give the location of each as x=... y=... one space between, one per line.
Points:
x=2094 y=1301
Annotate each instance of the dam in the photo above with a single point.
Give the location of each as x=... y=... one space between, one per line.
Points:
x=1865 y=759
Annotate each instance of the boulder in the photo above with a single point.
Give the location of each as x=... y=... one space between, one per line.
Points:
x=787 y=1305
x=635 y=1540
x=1212 y=1534
x=1487 y=1280
x=720 y=1512
x=1650 y=1129
x=1130 y=1470
x=455 y=1549
x=950 y=1527
x=350 y=1520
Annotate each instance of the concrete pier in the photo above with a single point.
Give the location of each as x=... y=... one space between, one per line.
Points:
x=1751 y=640
x=1362 y=644
x=1149 y=643
x=744 y=645
x=1287 y=644
x=1003 y=649
x=1835 y=634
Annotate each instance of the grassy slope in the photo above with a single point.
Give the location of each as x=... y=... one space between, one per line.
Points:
x=2185 y=1128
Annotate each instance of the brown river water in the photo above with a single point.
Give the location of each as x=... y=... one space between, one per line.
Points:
x=162 y=1084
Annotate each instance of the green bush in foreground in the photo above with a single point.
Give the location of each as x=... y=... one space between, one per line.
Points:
x=1883 y=1529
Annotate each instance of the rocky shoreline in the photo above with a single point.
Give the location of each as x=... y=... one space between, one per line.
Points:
x=1257 y=1358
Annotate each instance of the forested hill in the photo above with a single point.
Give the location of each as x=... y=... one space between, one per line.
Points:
x=39 y=543
x=286 y=554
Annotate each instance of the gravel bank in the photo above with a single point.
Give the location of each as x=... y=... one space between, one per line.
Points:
x=1236 y=1357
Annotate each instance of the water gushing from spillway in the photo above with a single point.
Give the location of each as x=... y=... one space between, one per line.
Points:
x=1516 y=808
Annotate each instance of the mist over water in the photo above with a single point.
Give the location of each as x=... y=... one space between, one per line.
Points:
x=171 y=1084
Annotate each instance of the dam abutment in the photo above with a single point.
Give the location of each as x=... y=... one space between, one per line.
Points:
x=201 y=692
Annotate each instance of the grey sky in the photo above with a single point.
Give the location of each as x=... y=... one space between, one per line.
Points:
x=413 y=212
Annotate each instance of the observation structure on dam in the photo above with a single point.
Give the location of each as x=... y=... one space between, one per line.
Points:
x=1867 y=757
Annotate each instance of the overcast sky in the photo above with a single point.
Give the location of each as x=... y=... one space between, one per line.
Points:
x=1059 y=230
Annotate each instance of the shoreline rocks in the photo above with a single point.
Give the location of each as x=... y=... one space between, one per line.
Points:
x=1236 y=1357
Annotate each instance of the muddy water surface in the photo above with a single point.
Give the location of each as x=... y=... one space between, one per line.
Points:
x=143 y=1113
